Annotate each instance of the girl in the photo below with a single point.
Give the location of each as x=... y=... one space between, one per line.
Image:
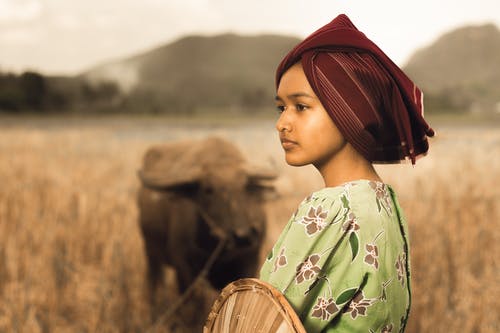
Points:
x=342 y=260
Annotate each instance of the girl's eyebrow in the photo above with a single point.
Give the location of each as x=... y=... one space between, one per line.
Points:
x=294 y=96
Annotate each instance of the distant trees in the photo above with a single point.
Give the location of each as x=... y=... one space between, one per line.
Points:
x=11 y=95
x=34 y=92
x=27 y=91
x=34 y=89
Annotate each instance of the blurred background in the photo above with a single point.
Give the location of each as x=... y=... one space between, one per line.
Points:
x=86 y=87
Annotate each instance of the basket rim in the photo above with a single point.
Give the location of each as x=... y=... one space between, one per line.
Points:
x=262 y=287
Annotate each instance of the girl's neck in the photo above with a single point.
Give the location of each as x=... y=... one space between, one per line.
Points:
x=347 y=165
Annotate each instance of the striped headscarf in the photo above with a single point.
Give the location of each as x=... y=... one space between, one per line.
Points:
x=374 y=104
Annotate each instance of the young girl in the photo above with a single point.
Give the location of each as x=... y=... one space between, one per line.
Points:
x=342 y=260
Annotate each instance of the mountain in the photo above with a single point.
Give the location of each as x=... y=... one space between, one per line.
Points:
x=199 y=72
x=460 y=70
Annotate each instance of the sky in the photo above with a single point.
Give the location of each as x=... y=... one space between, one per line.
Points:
x=66 y=37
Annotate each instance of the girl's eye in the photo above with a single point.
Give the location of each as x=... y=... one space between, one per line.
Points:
x=280 y=108
x=300 y=107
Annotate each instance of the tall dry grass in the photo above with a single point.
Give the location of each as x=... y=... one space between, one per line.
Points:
x=71 y=256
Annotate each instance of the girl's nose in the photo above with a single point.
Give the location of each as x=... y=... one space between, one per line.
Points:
x=283 y=123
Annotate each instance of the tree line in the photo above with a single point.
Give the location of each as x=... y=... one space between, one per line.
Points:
x=32 y=92
x=35 y=93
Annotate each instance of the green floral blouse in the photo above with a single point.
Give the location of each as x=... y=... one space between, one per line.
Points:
x=342 y=260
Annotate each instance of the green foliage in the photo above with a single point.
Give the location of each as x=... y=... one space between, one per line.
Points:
x=346 y=296
x=354 y=242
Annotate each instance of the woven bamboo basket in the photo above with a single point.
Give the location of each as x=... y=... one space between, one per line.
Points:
x=252 y=306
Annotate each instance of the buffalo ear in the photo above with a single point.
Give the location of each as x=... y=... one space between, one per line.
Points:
x=261 y=180
x=260 y=172
x=168 y=179
x=165 y=167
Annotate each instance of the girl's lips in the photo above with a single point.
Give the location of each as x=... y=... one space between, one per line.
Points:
x=288 y=144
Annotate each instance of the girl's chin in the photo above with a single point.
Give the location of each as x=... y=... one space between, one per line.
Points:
x=295 y=161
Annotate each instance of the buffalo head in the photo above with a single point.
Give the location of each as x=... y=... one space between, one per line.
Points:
x=194 y=195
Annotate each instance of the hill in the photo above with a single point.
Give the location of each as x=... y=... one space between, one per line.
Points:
x=460 y=70
x=199 y=72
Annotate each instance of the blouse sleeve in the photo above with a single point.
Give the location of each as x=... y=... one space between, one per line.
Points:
x=312 y=263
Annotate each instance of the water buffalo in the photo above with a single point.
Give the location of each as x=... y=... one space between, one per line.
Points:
x=193 y=194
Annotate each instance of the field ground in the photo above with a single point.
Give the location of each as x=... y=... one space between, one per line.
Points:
x=71 y=256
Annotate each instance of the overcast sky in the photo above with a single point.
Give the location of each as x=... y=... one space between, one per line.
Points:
x=69 y=36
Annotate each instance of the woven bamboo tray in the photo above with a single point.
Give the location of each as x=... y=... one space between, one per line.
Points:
x=252 y=306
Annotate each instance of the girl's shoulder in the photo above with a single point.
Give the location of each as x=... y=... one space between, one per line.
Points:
x=361 y=195
x=353 y=189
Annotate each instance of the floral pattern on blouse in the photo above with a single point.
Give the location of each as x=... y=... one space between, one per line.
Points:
x=401 y=268
x=371 y=257
x=358 y=305
x=324 y=308
x=280 y=261
x=383 y=198
x=315 y=220
x=350 y=225
x=337 y=257
x=308 y=269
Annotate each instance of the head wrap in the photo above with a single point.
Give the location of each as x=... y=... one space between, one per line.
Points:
x=374 y=104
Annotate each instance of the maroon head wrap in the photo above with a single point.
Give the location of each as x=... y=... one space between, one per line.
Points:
x=374 y=104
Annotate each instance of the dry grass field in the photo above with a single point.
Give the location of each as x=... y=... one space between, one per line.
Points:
x=71 y=256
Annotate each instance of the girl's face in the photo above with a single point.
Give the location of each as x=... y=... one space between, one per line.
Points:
x=307 y=133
